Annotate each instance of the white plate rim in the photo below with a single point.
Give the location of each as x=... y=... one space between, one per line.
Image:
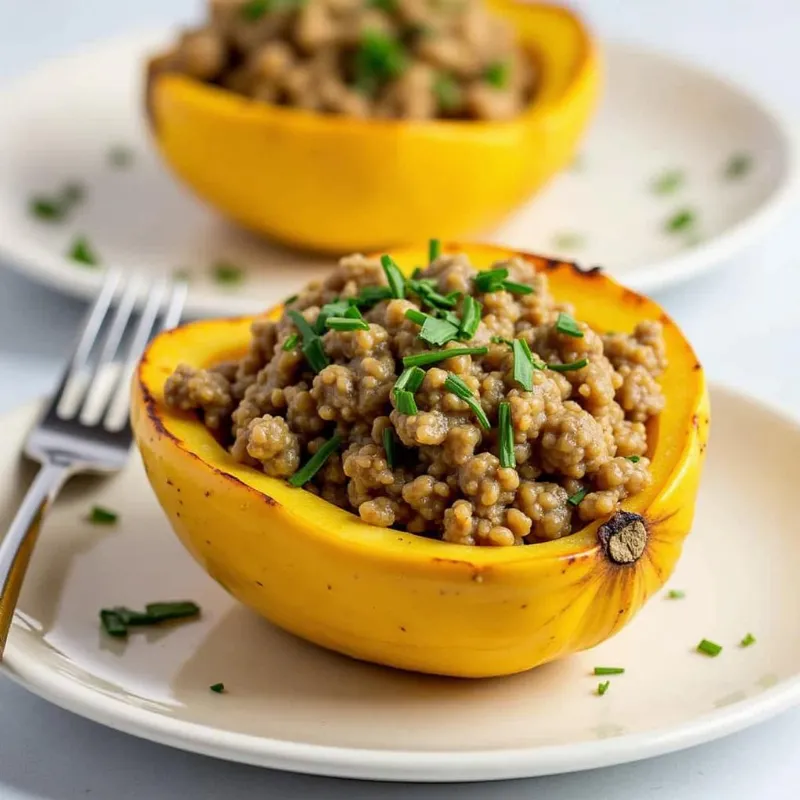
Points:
x=397 y=765
x=663 y=273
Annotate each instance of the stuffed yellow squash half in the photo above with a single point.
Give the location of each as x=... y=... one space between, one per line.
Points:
x=508 y=487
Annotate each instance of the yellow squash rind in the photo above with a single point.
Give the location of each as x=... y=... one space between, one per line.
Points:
x=399 y=599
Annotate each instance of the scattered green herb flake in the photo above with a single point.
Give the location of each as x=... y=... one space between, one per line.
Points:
x=447 y=92
x=434 y=251
x=575 y=499
x=112 y=623
x=602 y=688
x=389 y=447
x=738 y=165
x=226 y=273
x=389 y=6
x=457 y=386
x=497 y=74
x=175 y=609
x=315 y=355
x=434 y=356
x=453 y=319
x=289 y=300
x=410 y=379
x=609 y=670
x=438 y=331
x=501 y=340
x=506 y=435
x=490 y=280
x=102 y=516
x=682 y=220
x=676 y=594
x=523 y=364
x=668 y=182
x=219 y=688
x=373 y=294
x=290 y=343
x=346 y=324
x=569 y=240
x=253 y=10
x=404 y=402
x=709 y=648
x=316 y=462
x=633 y=459
x=394 y=277
x=130 y=617
x=82 y=252
x=571 y=367
x=416 y=316
x=379 y=58
x=302 y=325
x=748 y=640
x=56 y=208
x=568 y=326
x=470 y=318
x=120 y=156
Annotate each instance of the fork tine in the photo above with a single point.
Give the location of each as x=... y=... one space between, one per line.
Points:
x=92 y=327
x=117 y=414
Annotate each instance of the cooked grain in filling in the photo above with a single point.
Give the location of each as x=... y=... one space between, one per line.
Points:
x=534 y=425
x=404 y=59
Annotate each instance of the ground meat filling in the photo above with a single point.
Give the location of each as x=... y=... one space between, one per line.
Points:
x=403 y=59
x=577 y=437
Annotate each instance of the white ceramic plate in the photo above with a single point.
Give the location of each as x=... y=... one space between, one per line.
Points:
x=58 y=124
x=292 y=706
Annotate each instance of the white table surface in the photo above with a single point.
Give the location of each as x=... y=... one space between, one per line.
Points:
x=48 y=753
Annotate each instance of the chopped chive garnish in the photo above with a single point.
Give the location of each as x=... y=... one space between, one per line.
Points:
x=404 y=402
x=490 y=280
x=569 y=240
x=336 y=308
x=161 y=612
x=571 y=367
x=395 y=278
x=524 y=364
x=506 y=431
x=416 y=316
x=602 y=688
x=501 y=340
x=470 y=318
x=112 y=623
x=575 y=499
x=709 y=648
x=301 y=323
x=738 y=165
x=316 y=462
x=452 y=318
x=438 y=331
x=389 y=6
x=633 y=459
x=389 y=447
x=346 y=324
x=434 y=250
x=253 y=10
x=73 y=193
x=447 y=92
x=426 y=289
x=748 y=640
x=609 y=670
x=668 y=182
x=457 y=386
x=117 y=620
x=566 y=324
x=434 y=356
x=373 y=294
x=680 y=221
x=102 y=516
x=411 y=379
x=676 y=594
x=379 y=58
x=315 y=355
x=219 y=688
x=352 y=312
x=56 y=207
x=496 y=74
x=289 y=300
x=120 y=156
x=227 y=273
x=516 y=288
x=82 y=252
x=290 y=343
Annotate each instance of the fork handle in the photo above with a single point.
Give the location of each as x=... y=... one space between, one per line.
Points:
x=17 y=546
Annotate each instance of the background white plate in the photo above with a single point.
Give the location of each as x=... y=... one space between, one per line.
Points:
x=58 y=123
x=293 y=706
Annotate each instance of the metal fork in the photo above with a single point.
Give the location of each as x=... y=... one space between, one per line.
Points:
x=85 y=427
